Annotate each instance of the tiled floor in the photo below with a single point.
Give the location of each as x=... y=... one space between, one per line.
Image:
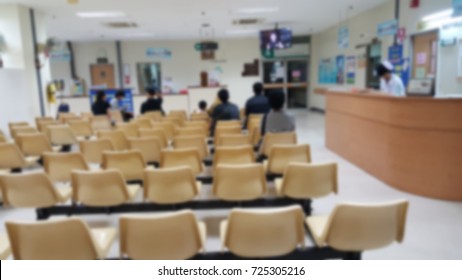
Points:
x=434 y=227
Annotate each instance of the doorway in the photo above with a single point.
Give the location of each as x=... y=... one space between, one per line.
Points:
x=425 y=56
x=102 y=75
x=149 y=76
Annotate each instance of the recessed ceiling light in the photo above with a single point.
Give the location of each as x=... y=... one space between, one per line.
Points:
x=266 y=10
x=241 y=31
x=102 y=14
x=439 y=15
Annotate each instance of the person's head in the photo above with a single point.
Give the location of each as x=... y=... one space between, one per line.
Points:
x=384 y=70
x=223 y=95
x=151 y=92
x=258 y=88
x=203 y=105
x=276 y=100
x=120 y=94
x=101 y=96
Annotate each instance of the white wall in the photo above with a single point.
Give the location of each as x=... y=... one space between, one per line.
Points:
x=10 y=28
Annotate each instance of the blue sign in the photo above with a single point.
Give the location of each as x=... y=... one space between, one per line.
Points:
x=340 y=67
x=159 y=53
x=343 y=37
x=395 y=53
x=457 y=7
x=387 y=28
x=110 y=94
x=400 y=64
x=327 y=71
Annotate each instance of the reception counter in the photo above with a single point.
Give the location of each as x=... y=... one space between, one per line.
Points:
x=412 y=144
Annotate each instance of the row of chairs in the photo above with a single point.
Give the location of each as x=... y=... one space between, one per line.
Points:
x=246 y=233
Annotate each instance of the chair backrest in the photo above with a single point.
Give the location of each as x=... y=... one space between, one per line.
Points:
x=61 y=135
x=2 y=137
x=59 y=166
x=43 y=120
x=221 y=124
x=193 y=142
x=130 y=163
x=68 y=239
x=100 y=123
x=154 y=115
x=43 y=125
x=170 y=185
x=234 y=140
x=233 y=155
x=118 y=138
x=181 y=113
x=254 y=130
x=199 y=116
x=99 y=189
x=17 y=130
x=63 y=116
x=359 y=227
x=155 y=132
x=130 y=129
x=283 y=155
x=182 y=157
x=93 y=150
x=254 y=119
x=116 y=116
x=176 y=119
x=271 y=139
x=226 y=130
x=305 y=180
x=172 y=236
x=31 y=190
x=86 y=115
x=11 y=156
x=150 y=147
x=34 y=144
x=12 y=125
x=264 y=233
x=191 y=131
x=143 y=122
x=168 y=127
x=81 y=128
x=194 y=124
x=252 y=182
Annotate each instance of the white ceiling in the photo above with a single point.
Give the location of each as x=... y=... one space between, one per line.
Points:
x=182 y=19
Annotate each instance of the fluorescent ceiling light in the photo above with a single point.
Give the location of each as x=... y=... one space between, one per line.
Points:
x=439 y=15
x=107 y=14
x=242 y=31
x=258 y=10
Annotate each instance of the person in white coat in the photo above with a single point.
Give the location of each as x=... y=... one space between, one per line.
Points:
x=389 y=82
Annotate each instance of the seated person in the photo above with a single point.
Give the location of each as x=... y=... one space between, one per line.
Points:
x=277 y=120
x=226 y=111
x=100 y=106
x=153 y=103
x=202 y=106
x=258 y=104
x=117 y=103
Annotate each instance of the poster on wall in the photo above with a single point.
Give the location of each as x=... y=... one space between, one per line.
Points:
x=401 y=36
x=400 y=64
x=457 y=8
x=343 y=37
x=351 y=70
x=340 y=76
x=327 y=71
x=388 y=28
x=162 y=53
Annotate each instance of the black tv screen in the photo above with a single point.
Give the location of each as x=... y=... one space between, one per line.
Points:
x=276 y=39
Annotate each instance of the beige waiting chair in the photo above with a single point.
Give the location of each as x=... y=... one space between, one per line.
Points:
x=12 y=158
x=62 y=116
x=177 y=120
x=182 y=157
x=93 y=150
x=61 y=135
x=12 y=125
x=192 y=142
x=100 y=123
x=59 y=166
x=32 y=190
x=44 y=120
x=155 y=132
x=17 y=130
x=223 y=124
x=272 y=139
x=360 y=227
x=234 y=140
x=233 y=155
x=283 y=155
x=255 y=119
x=181 y=113
x=155 y=116
x=202 y=116
x=191 y=132
x=197 y=124
x=130 y=129
x=226 y=130
x=116 y=116
x=43 y=125
x=172 y=236
x=3 y=137
x=251 y=186
x=118 y=139
x=171 y=185
x=167 y=127
x=102 y=188
x=81 y=128
x=34 y=144
x=5 y=249
x=69 y=239
x=263 y=233
x=150 y=147
x=254 y=132
x=131 y=163
x=307 y=181
x=143 y=123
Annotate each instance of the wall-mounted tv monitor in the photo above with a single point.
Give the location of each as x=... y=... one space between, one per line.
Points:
x=276 y=39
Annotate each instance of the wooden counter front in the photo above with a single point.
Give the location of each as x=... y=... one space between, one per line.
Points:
x=412 y=144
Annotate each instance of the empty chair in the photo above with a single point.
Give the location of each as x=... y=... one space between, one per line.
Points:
x=305 y=181
x=116 y=116
x=118 y=138
x=272 y=139
x=69 y=239
x=64 y=117
x=13 y=159
x=231 y=130
x=43 y=125
x=61 y=135
x=175 y=119
x=131 y=163
x=228 y=124
x=154 y=116
x=93 y=150
x=130 y=129
x=172 y=236
x=32 y=190
x=102 y=188
x=12 y=125
x=100 y=123
x=234 y=140
x=59 y=166
x=2 y=137
x=263 y=233
x=150 y=147
x=155 y=132
x=180 y=113
x=33 y=144
x=182 y=157
x=252 y=182
x=81 y=128
x=191 y=131
x=5 y=249
x=202 y=116
x=194 y=142
x=40 y=120
x=143 y=123
x=194 y=124
x=283 y=155
x=233 y=155
x=167 y=127
x=15 y=131
x=358 y=227
x=171 y=185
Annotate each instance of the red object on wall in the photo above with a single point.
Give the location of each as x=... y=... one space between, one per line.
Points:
x=415 y=4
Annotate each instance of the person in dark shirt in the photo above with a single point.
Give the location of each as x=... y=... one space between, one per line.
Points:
x=226 y=111
x=278 y=120
x=258 y=104
x=101 y=106
x=153 y=103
